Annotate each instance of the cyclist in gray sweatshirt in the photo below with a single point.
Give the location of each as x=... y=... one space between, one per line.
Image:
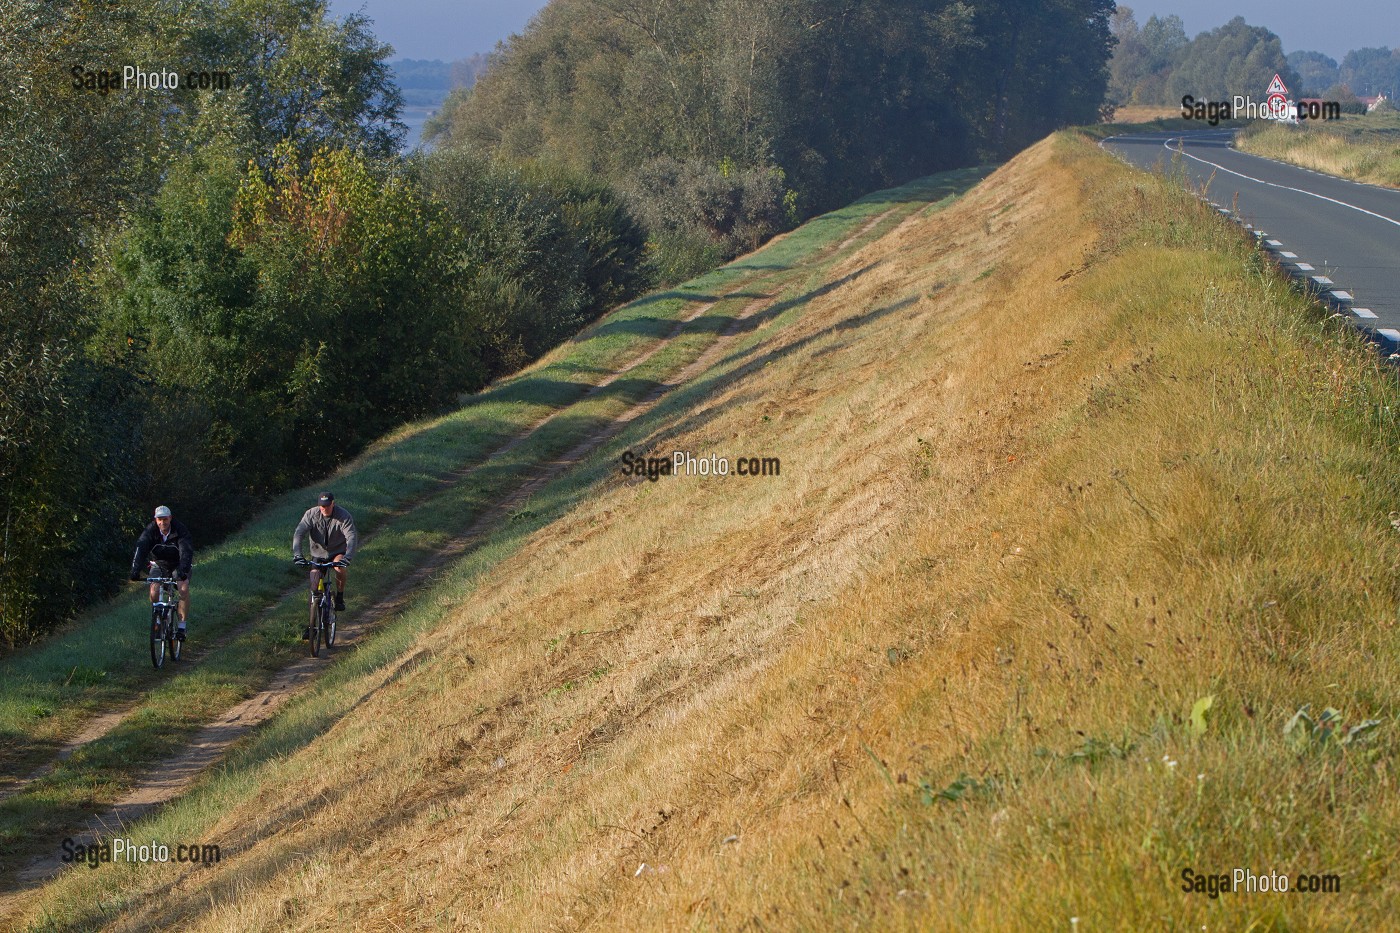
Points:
x=331 y=531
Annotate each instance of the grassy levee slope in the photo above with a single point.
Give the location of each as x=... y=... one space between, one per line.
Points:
x=1362 y=147
x=414 y=493
x=1060 y=461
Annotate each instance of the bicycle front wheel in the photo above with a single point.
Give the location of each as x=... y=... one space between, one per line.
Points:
x=312 y=621
x=316 y=613
x=157 y=639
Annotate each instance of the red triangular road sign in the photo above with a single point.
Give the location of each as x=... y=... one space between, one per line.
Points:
x=1276 y=87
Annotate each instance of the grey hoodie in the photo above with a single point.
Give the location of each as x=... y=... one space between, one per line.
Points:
x=329 y=536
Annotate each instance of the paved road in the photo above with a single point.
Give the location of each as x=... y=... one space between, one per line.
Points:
x=1348 y=232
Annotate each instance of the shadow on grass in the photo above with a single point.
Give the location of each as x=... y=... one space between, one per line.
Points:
x=640 y=326
x=21 y=755
x=691 y=396
x=773 y=311
x=539 y=390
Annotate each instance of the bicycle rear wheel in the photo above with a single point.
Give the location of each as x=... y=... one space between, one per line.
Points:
x=157 y=638
x=330 y=624
x=173 y=640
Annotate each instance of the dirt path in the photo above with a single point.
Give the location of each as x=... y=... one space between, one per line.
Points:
x=866 y=229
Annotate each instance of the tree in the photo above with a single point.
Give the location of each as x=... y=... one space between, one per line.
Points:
x=355 y=292
x=176 y=298
x=1236 y=58
x=1372 y=71
x=1164 y=39
x=831 y=97
x=540 y=252
x=56 y=409
x=1144 y=58
x=1050 y=66
x=1128 y=63
x=1316 y=72
x=304 y=77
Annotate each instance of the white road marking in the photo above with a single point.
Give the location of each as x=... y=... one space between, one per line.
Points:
x=1312 y=194
x=1363 y=314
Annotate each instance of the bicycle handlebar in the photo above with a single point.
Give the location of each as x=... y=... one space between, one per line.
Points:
x=318 y=564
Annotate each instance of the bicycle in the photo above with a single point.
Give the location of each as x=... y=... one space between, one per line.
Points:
x=163 y=619
x=322 y=605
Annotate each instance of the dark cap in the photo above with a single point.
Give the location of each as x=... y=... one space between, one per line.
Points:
x=326 y=498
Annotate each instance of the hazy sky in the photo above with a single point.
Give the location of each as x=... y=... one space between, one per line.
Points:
x=1331 y=28
x=441 y=28
x=447 y=30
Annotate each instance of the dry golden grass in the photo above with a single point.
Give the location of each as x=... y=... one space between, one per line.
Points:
x=1057 y=461
x=1363 y=148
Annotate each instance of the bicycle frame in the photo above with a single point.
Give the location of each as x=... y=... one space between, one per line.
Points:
x=322 y=606
x=163 y=611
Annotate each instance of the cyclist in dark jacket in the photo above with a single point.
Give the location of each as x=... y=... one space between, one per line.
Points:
x=332 y=533
x=170 y=548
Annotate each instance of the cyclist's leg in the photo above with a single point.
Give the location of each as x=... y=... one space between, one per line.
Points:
x=339 y=585
x=159 y=568
x=184 y=604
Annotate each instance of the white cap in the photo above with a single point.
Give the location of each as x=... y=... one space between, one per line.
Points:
x=162 y=511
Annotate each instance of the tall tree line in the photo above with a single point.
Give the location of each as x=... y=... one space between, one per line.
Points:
x=1369 y=72
x=1155 y=63
x=725 y=120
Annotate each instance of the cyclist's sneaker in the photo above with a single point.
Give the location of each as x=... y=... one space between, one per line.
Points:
x=339 y=601
x=180 y=631
x=306 y=634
